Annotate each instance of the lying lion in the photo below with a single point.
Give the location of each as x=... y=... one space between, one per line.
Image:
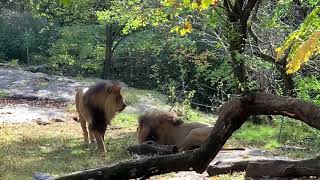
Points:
x=167 y=129
x=97 y=106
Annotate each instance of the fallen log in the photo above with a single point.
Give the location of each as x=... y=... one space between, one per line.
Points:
x=152 y=148
x=227 y=167
x=281 y=168
x=232 y=115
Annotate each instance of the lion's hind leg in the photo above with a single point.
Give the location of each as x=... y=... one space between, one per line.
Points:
x=91 y=136
x=84 y=129
x=98 y=128
x=195 y=138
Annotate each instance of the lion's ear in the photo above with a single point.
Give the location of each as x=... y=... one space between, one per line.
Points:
x=115 y=88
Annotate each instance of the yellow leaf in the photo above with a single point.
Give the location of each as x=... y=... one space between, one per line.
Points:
x=188 y=26
x=194 y=5
x=175 y=29
x=303 y=52
x=183 y=32
x=206 y=3
x=169 y=2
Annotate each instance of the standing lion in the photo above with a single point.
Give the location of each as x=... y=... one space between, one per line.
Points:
x=97 y=106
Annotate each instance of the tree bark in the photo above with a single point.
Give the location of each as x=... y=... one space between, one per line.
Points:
x=107 y=63
x=281 y=168
x=288 y=83
x=238 y=16
x=232 y=115
x=152 y=148
x=227 y=167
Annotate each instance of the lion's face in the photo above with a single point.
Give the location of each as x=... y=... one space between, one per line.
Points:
x=115 y=96
x=120 y=103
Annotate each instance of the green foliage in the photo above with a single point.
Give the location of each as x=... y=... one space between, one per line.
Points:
x=78 y=50
x=20 y=32
x=180 y=102
x=132 y=15
x=68 y=12
x=185 y=63
x=309 y=88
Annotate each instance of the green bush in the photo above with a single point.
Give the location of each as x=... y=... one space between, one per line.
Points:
x=308 y=88
x=79 y=50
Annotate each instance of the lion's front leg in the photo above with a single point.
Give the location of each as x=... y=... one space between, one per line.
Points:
x=99 y=138
x=98 y=131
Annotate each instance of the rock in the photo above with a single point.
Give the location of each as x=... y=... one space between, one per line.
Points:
x=42 y=122
x=37 y=85
x=27 y=113
x=57 y=120
x=42 y=176
x=233 y=161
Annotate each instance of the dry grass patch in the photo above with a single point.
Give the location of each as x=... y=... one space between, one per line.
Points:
x=56 y=149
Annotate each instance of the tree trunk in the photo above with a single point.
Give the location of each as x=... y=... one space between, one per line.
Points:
x=28 y=56
x=281 y=168
x=107 y=63
x=238 y=16
x=238 y=64
x=232 y=115
x=288 y=83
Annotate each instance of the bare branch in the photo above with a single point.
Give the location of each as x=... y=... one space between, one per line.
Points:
x=247 y=9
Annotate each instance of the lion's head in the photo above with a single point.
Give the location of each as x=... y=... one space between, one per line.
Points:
x=114 y=95
x=152 y=122
x=104 y=100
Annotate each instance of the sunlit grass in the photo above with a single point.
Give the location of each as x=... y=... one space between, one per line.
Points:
x=56 y=149
x=3 y=94
x=265 y=136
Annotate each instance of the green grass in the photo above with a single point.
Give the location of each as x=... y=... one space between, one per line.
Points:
x=257 y=135
x=294 y=133
x=126 y=120
x=3 y=94
x=134 y=96
x=56 y=149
